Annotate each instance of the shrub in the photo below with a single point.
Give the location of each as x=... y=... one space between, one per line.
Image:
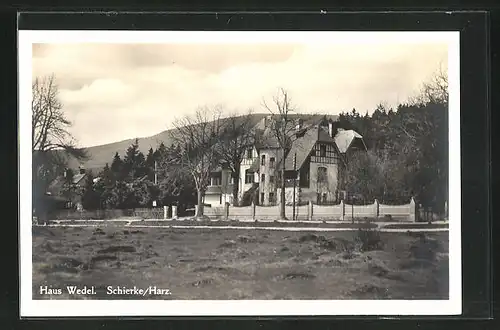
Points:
x=369 y=239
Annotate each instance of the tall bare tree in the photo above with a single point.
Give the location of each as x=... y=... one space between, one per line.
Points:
x=237 y=136
x=51 y=143
x=434 y=90
x=283 y=127
x=198 y=137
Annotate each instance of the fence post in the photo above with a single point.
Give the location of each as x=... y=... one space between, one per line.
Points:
x=377 y=212
x=412 y=210
x=226 y=211
x=342 y=210
x=253 y=210
x=165 y=212
x=310 y=210
x=174 y=211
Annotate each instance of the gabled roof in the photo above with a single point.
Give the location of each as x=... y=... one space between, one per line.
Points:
x=268 y=140
x=302 y=148
x=344 y=139
x=57 y=185
x=77 y=178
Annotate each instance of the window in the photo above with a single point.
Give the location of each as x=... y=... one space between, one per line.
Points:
x=271 y=179
x=271 y=198
x=262 y=198
x=322 y=150
x=249 y=153
x=216 y=179
x=304 y=178
x=263 y=160
x=272 y=160
x=249 y=176
x=262 y=178
x=322 y=175
x=324 y=197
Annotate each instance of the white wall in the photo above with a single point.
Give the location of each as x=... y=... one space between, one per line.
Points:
x=268 y=171
x=213 y=199
x=310 y=194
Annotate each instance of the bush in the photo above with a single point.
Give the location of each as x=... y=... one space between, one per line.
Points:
x=369 y=239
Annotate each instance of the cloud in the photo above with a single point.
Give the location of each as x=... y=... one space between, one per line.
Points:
x=118 y=91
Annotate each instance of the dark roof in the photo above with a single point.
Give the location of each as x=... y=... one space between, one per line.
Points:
x=56 y=186
x=302 y=146
x=77 y=178
x=269 y=141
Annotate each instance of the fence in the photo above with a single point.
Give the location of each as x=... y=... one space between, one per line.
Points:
x=311 y=211
x=340 y=211
x=142 y=213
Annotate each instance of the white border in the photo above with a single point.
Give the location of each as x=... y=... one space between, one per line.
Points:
x=65 y=308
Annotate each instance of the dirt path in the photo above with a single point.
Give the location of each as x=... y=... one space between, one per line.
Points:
x=316 y=229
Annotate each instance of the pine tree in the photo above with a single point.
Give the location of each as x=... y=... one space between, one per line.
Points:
x=160 y=151
x=117 y=166
x=90 y=197
x=150 y=164
x=133 y=162
x=150 y=158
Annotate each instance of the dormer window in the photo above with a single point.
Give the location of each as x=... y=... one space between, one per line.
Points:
x=249 y=153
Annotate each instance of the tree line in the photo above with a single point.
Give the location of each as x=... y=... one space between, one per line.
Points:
x=407 y=149
x=136 y=181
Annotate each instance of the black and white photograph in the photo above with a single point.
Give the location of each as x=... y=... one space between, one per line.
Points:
x=239 y=173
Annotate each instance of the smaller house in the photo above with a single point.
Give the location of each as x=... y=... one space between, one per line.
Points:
x=220 y=189
x=68 y=185
x=349 y=141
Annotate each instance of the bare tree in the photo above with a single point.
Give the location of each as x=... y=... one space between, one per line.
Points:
x=283 y=127
x=197 y=137
x=435 y=90
x=52 y=143
x=237 y=136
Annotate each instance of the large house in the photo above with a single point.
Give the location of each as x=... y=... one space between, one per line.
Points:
x=316 y=160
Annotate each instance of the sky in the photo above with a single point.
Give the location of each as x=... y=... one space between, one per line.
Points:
x=113 y=92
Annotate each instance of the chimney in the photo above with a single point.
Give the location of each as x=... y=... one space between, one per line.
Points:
x=330 y=129
x=82 y=169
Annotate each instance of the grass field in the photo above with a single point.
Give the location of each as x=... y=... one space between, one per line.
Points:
x=239 y=264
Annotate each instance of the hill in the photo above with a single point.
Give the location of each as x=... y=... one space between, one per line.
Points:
x=102 y=154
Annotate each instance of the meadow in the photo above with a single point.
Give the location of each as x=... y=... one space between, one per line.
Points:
x=241 y=264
